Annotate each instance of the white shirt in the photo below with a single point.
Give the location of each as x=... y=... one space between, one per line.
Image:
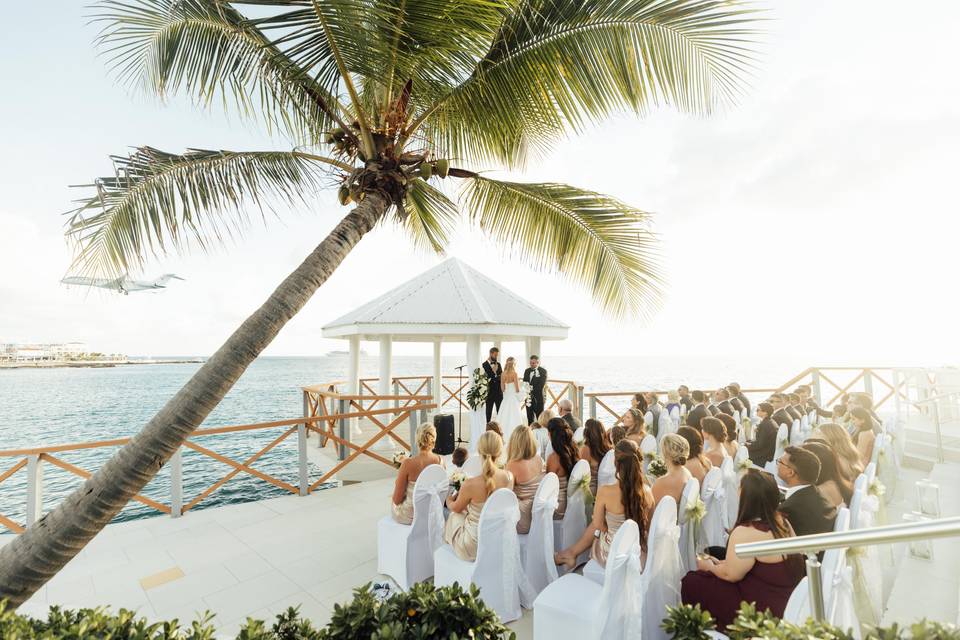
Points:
x=792 y=490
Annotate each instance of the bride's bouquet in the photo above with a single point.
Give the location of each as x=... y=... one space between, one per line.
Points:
x=477 y=395
x=398 y=458
x=525 y=393
x=457 y=479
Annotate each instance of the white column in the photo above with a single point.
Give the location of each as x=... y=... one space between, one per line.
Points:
x=437 y=375
x=353 y=377
x=499 y=345
x=176 y=483
x=473 y=358
x=533 y=347
x=386 y=370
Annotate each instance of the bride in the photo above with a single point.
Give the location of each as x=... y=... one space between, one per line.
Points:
x=511 y=414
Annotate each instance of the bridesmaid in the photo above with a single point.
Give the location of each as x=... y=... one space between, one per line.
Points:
x=863 y=435
x=848 y=458
x=540 y=432
x=674 y=451
x=410 y=470
x=561 y=459
x=634 y=424
x=714 y=435
x=697 y=463
x=731 y=445
x=719 y=586
x=462 y=527
x=525 y=465
x=596 y=443
x=629 y=499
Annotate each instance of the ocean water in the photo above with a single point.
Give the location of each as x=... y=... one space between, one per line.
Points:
x=41 y=407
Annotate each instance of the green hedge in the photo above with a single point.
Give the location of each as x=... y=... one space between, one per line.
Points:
x=422 y=613
x=690 y=623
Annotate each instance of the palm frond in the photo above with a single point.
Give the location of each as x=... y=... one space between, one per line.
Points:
x=158 y=200
x=556 y=65
x=593 y=240
x=210 y=50
x=431 y=216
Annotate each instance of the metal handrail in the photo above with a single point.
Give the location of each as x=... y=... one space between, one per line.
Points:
x=812 y=544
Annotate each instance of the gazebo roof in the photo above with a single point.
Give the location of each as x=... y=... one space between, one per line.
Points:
x=449 y=301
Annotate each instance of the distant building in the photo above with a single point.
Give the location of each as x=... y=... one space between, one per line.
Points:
x=54 y=351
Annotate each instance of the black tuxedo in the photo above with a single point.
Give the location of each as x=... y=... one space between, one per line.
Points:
x=813 y=406
x=743 y=400
x=713 y=409
x=725 y=407
x=695 y=415
x=763 y=447
x=795 y=413
x=494 y=392
x=809 y=511
x=781 y=416
x=687 y=402
x=571 y=420
x=537 y=379
x=737 y=405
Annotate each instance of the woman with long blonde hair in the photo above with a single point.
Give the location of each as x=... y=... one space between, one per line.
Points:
x=410 y=468
x=527 y=470
x=511 y=413
x=540 y=433
x=848 y=458
x=463 y=525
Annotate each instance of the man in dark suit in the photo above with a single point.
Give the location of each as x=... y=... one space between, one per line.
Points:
x=699 y=410
x=793 y=405
x=804 y=506
x=536 y=377
x=565 y=410
x=722 y=397
x=806 y=398
x=780 y=415
x=494 y=393
x=735 y=392
x=684 y=392
x=762 y=448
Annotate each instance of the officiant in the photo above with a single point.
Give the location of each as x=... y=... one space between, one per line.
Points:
x=536 y=377
x=492 y=368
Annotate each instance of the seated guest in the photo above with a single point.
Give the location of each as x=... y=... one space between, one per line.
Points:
x=714 y=435
x=848 y=458
x=462 y=526
x=494 y=426
x=699 y=410
x=673 y=401
x=410 y=470
x=832 y=485
x=731 y=444
x=793 y=406
x=807 y=509
x=674 y=451
x=617 y=433
x=685 y=399
x=566 y=412
x=540 y=431
x=459 y=457
x=838 y=413
x=635 y=426
x=629 y=499
x=527 y=470
x=639 y=402
x=780 y=414
x=863 y=435
x=596 y=443
x=722 y=400
x=865 y=402
x=763 y=447
x=561 y=459
x=809 y=404
x=736 y=392
x=697 y=463
x=653 y=408
x=719 y=586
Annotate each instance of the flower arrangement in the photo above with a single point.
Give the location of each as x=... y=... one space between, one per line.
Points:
x=876 y=488
x=398 y=458
x=583 y=486
x=525 y=389
x=696 y=511
x=657 y=467
x=456 y=479
x=479 y=387
x=744 y=464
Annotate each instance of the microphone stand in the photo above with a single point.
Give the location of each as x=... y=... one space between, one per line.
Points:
x=460 y=439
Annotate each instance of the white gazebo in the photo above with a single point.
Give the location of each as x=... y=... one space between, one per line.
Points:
x=451 y=302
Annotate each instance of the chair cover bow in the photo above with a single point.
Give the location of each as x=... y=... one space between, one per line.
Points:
x=435 y=516
x=514 y=579
x=621 y=603
x=541 y=569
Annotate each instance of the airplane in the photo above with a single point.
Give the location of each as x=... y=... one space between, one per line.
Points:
x=123 y=284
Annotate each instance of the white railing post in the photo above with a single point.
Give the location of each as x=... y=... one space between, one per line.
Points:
x=593 y=407
x=344 y=428
x=396 y=392
x=176 y=483
x=815 y=379
x=34 y=488
x=868 y=382
x=302 y=458
x=306 y=407
x=579 y=401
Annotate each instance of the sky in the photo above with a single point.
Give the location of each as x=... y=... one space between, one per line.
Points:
x=816 y=218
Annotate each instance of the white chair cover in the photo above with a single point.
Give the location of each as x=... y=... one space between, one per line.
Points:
x=663 y=569
x=473 y=466
x=578 y=436
x=537 y=546
x=405 y=552
x=805 y=424
x=497 y=571
x=665 y=426
x=675 y=417
x=731 y=486
x=865 y=561
x=648 y=448
x=736 y=416
x=783 y=434
x=796 y=434
x=887 y=464
x=568 y=531
x=648 y=419
x=607 y=471
x=741 y=459
x=575 y=607
x=690 y=527
x=714 y=498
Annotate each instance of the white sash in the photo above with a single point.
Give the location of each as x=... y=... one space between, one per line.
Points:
x=435 y=516
x=541 y=569
x=621 y=603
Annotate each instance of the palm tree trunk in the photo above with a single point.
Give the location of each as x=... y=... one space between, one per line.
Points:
x=35 y=556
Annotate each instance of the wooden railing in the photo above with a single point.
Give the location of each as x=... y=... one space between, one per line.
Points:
x=411 y=408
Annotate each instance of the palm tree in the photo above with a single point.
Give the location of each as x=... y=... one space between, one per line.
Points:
x=390 y=101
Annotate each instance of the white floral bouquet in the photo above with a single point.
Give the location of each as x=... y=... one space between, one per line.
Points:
x=525 y=389
x=456 y=479
x=657 y=467
x=398 y=458
x=479 y=387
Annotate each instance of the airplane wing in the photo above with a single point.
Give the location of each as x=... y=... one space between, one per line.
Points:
x=91 y=282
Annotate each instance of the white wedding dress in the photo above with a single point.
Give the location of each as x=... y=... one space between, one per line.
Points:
x=511 y=413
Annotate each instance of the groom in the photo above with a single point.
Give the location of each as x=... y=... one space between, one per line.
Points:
x=536 y=377
x=494 y=393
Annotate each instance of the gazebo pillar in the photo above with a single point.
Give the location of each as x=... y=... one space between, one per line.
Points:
x=533 y=347
x=385 y=387
x=437 y=375
x=353 y=366
x=473 y=353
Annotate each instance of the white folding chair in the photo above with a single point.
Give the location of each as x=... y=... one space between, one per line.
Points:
x=497 y=571
x=571 y=527
x=536 y=547
x=648 y=419
x=473 y=466
x=689 y=527
x=606 y=471
x=663 y=569
x=648 y=447
x=714 y=496
x=796 y=434
x=783 y=440
x=405 y=551
x=675 y=416
x=665 y=426
x=578 y=436
x=731 y=486
x=742 y=454
x=576 y=607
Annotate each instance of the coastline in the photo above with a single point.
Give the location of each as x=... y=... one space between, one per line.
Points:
x=91 y=364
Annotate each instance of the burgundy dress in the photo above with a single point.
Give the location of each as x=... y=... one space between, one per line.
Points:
x=767 y=584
